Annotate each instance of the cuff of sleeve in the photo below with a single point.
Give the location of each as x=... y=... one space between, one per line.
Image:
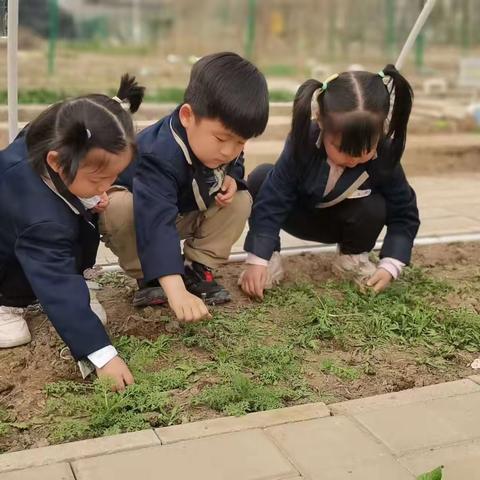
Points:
x=101 y=357
x=392 y=266
x=254 y=260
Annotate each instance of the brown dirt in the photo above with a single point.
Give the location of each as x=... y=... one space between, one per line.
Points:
x=25 y=370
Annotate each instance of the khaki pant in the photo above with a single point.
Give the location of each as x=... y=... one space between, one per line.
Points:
x=209 y=235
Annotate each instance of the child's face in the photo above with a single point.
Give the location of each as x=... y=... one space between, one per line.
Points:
x=212 y=143
x=332 y=146
x=97 y=173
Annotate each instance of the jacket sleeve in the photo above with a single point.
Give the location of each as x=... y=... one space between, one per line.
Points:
x=238 y=173
x=46 y=253
x=402 y=217
x=272 y=205
x=155 y=203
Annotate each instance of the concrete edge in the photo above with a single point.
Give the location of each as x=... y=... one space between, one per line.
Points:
x=258 y=420
x=73 y=451
x=406 y=397
x=67 y=452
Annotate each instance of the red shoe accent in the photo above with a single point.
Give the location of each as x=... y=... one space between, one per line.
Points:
x=208 y=276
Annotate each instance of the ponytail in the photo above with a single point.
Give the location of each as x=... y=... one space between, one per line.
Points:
x=302 y=114
x=74 y=127
x=131 y=92
x=402 y=106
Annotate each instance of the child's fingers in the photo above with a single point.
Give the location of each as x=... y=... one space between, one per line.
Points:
x=258 y=288
x=128 y=377
x=178 y=311
x=204 y=311
x=381 y=285
x=247 y=287
x=188 y=314
x=374 y=279
x=119 y=385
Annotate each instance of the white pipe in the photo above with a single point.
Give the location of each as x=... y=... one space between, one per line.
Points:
x=422 y=18
x=12 y=68
x=289 y=251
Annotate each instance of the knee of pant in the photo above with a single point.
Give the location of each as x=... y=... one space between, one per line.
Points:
x=241 y=205
x=257 y=177
x=373 y=210
x=119 y=213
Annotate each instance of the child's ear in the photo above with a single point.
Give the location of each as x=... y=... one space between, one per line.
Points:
x=53 y=161
x=187 y=117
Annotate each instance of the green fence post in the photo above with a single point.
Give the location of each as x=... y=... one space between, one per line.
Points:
x=251 y=24
x=53 y=16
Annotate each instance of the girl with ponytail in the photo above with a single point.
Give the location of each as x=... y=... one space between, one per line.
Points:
x=339 y=181
x=53 y=179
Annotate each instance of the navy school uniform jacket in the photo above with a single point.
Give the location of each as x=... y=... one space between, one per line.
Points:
x=42 y=235
x=294 y=184
x=167 y=180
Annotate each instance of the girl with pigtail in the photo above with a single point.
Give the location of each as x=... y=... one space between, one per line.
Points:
x=53 y=179
x=338 y=181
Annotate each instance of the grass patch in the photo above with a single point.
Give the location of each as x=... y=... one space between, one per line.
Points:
x=266 y=355
x=343 y=372
x=82 y=410
x=279 y=70
x=436 y=474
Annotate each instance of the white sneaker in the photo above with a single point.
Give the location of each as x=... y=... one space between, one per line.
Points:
x=275 y=272
x=95 y=305
x=13 y=327
x=357 y=268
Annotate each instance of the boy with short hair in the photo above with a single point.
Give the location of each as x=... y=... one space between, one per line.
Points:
x=188 y=183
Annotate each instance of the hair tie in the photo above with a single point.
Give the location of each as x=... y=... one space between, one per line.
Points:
x=315 y=108
x=385 y=78
x=89 y=134
x=327 y=81
x=125 y=104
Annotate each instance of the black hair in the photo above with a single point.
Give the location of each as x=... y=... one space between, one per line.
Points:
x=227 y=87
x=73 y=127
x=363 y=100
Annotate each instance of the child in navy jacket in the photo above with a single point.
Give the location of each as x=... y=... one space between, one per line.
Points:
x=338 y=180
x=53 y=180
x=187 y=183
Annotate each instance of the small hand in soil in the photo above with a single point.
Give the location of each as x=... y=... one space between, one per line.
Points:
x=253 y=281
x=117 y=371
x=380 y=280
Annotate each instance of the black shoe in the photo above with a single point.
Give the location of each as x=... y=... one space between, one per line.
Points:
x=149 y=294
x=199 y=280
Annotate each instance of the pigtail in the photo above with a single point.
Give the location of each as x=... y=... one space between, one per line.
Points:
x=302 y=115
x=131 y=92
x=402 y=106
x=72 y=144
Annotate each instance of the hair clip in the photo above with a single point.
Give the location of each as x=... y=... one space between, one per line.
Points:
x=89 y=134
x=125 y=104
x=327 y=81
x=385 y=78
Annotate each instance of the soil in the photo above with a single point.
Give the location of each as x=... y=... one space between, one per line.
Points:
x=25 y=370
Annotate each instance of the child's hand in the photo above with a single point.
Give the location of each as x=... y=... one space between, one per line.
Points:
x=102 y=205
x=254 y=280
x=380 y=280
x=229 y=188
x=188 y=307
x=117 y=371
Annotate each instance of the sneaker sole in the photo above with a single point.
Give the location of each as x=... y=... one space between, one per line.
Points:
x=218 y=299
x=149 y=303
x=16 y=343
